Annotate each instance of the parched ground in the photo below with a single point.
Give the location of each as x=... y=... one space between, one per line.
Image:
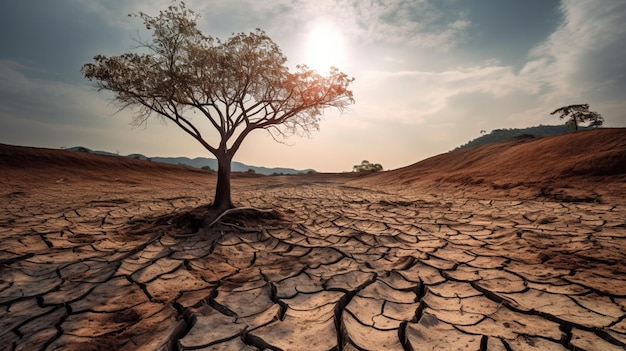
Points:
x=95 y=258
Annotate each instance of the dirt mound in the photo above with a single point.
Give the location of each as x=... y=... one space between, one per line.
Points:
x=30 y=164
x=19 y=157
x=584 y=159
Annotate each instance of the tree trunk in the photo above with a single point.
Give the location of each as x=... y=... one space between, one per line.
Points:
x=223 y=201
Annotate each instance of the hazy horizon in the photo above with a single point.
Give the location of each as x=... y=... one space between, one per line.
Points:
x=429 y=75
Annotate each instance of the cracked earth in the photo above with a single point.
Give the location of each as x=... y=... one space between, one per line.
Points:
x=98 y=265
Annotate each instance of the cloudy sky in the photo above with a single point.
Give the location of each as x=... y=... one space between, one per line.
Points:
x=430 y=74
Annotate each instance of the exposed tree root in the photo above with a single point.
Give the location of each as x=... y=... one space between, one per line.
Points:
x=265 y=213
x=200 y=219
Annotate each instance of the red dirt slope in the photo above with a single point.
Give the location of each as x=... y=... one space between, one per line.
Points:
x=586 y=159
x=23 y=164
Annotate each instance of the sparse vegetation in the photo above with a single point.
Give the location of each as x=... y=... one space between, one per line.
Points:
x=366 y=166
x=510 y=134
x=206 y=168
x=578 y=114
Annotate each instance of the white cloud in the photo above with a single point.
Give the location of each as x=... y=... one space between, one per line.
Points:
x=394 y=60
x=581 y=62
x=413 y=96
x=49 y=113
x=411 y=102
x=586 y=52
x=28 y=97
x=116 y=14
x=416 y=23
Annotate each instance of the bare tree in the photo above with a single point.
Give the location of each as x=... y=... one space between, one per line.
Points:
x=579 y=114
x=235 y=86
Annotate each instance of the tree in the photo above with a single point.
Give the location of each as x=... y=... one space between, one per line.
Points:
x=578 y=114
x=236 y=86
x=366 y=166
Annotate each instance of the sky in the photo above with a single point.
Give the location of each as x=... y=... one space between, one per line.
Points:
x=429 y=74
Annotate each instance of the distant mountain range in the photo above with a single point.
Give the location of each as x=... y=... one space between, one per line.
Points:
x=200 y=162
x=495 y=136
x=503 y=135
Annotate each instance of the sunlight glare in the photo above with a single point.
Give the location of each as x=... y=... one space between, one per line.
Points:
x=325 y=48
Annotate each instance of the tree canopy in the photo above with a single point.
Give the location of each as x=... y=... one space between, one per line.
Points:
x=578 y=114
x=366 y=166
x=235 y=86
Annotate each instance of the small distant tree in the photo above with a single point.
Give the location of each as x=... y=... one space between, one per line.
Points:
x=250 y=170
x=235 y=87
x=578 y=114
x=206 y=168
x=366 y=166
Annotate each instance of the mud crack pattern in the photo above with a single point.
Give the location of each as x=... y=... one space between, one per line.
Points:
x=355 y=269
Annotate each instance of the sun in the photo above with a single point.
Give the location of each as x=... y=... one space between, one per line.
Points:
x=325 y=48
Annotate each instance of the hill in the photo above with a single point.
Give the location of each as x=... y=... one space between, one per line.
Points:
x=37 y=165
x=574 y=166
x=511 y=134
x=584 y=166
x=200 y=162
